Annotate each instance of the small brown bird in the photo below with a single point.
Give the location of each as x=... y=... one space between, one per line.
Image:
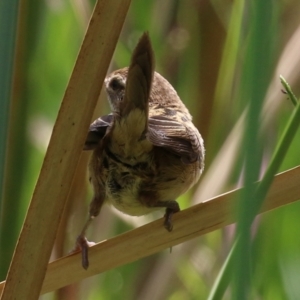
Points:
x=147 y=152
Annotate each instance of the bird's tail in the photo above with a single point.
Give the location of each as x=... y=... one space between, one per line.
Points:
x=130 y=127
x=135 y=106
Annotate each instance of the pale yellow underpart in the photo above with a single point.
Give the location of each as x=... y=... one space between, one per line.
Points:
x=127 y=133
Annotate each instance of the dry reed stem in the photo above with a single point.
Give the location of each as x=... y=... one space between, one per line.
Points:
x=151 y=238
x=29 y=264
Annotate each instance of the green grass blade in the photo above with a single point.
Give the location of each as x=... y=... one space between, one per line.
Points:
x=8 y=25
x=290 y=131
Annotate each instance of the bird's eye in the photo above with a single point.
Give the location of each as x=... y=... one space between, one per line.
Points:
x=116 y=84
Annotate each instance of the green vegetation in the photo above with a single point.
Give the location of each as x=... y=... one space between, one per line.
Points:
x=224 y=58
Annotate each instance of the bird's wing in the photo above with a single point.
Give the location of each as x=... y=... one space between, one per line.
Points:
x=182 y=139
x=97 y=131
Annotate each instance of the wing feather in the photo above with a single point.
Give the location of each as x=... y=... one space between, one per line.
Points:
x=181 y=139
x=97 y=131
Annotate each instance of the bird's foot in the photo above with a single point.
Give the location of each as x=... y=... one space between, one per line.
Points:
x=82 y=244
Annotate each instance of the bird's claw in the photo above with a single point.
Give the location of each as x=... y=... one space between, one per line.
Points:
x=82 y=244
x=168 y=220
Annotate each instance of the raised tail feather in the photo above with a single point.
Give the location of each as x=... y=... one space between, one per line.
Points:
x=139 y=81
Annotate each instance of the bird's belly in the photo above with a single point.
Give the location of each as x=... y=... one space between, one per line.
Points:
x=136 y=191
x=129 y=204
x=123 y=192
x=136 y=197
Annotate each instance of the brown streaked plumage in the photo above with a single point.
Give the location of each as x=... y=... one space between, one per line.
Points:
x=147 y=152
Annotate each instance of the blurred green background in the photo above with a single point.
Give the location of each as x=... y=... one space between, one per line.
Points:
x=202 y=48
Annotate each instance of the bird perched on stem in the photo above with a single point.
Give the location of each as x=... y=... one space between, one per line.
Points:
x=147 y=152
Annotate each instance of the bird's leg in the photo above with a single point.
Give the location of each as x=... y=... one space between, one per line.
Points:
x=82 y=243
x=171 y=207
